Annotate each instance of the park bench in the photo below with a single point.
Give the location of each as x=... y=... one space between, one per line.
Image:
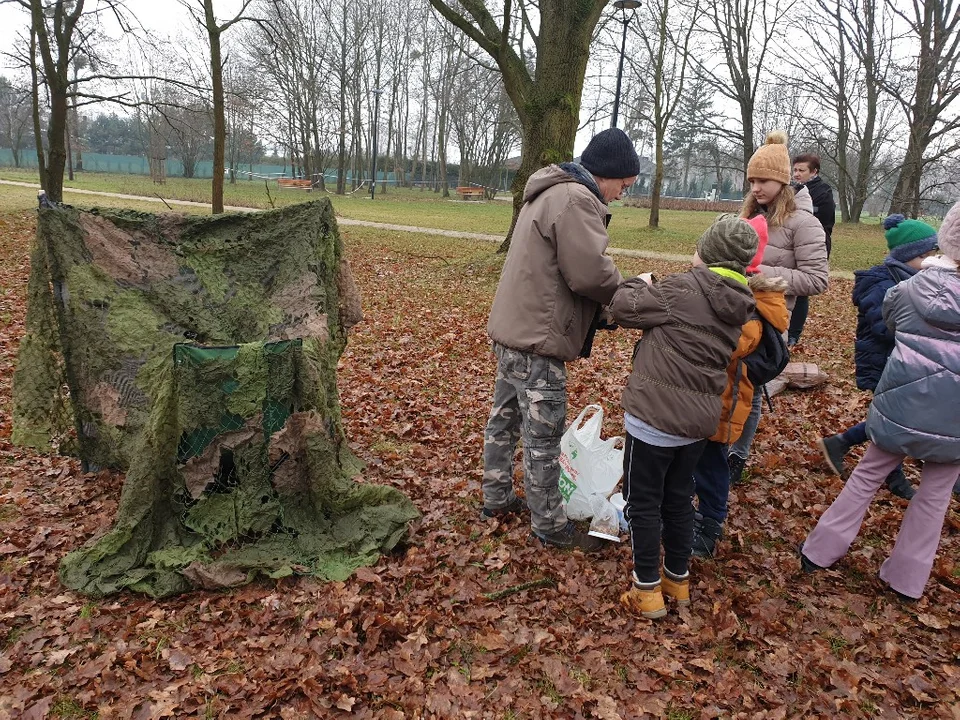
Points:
x=470 y=193
x=296 y=183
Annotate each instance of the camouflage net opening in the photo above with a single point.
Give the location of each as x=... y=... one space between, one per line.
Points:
x=200 y=353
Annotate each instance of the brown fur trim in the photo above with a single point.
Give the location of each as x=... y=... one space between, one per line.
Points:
x=762 y=283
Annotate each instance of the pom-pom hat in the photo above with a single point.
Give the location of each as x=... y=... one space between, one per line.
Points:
x=908 y=239
x=772 y=160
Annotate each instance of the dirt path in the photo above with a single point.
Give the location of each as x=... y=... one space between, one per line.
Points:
x=624 y=252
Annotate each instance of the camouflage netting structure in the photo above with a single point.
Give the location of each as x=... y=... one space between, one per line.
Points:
x=200 y=354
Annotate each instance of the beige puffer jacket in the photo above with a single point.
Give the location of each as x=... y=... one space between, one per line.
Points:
x=797 y=252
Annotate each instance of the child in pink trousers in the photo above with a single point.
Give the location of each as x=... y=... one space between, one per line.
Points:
x=915 y=414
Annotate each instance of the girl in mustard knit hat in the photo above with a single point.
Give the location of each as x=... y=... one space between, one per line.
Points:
x=796 y=250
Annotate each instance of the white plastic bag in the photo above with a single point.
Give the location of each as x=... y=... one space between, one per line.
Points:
x=605 y=523
x=588 y=465
x=618 y=502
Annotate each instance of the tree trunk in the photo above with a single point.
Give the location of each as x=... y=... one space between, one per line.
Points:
x=906 y=195
x=219 y=119
x=35 y=103
x=746 y=117
x=657 y=189
x=69 y=155
x=545 y=142
x=547 y=101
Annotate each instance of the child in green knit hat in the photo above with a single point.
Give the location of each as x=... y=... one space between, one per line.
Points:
x=906 y=237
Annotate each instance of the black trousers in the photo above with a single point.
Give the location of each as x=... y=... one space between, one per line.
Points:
x=658 y=487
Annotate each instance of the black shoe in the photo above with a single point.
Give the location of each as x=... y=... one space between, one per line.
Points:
x=706 y=535
x=807 y=565
x=737 y=465
x=886 y=586
x=514 y=507
x=568 y=538
x=956 y=487
x=898 y=484
x=834 y=449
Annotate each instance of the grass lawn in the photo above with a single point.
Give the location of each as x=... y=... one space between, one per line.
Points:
x=855 y=246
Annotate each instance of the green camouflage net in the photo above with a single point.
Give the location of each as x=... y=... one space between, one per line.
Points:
x=200 y=354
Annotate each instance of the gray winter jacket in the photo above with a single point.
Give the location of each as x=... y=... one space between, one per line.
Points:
x=916 y=406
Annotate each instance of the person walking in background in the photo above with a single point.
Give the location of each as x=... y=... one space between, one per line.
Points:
x=691 y=323
x=547 y=306
x=909 y=242
x=796 y=251
x=806 y=172
x=712 y=474
x=913 y=414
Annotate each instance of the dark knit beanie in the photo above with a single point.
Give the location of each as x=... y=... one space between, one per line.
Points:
x=610 y=154
x=908 y=239
x=731 y=242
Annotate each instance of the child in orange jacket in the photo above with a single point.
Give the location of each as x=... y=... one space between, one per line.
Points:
x=712 y=474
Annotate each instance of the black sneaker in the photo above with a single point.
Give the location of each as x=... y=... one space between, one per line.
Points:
x=514 y=507
x=898 y=484
x=568 y=538
x=834 y=449
x=807 y=565
x=737 y=465
x=706 y=535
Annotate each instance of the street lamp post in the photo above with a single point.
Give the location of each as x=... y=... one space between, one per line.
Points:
x=622 y=6
x=373 y=159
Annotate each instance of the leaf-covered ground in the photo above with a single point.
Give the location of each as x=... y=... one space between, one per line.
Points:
x=418 y=636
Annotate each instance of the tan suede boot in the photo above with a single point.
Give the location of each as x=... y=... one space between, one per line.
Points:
x=644 y=599
x=676 y=587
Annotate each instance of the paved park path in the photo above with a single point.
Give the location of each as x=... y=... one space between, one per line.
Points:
x=624 y=252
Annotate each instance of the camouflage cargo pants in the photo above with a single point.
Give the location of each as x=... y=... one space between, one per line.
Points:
x=529 y=403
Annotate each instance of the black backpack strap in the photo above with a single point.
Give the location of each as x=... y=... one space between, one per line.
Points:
x=766 y=394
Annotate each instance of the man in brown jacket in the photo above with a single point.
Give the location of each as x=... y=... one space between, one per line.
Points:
x=555 y=280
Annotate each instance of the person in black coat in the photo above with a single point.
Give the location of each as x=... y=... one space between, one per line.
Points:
x=909 y=242
x=806 y=172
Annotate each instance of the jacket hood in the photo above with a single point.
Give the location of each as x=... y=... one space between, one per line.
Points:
x=804 y=201
x=731 y=300
x=771 y=303
x=890 y=271
x=901 y=271
x=555 y=175
x=936 y=294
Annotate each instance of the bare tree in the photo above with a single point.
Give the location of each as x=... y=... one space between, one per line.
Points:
x=484 y=125
x=545 y=93
x=53 y=25
x=202 y=12
x=15 y=117
x=742 y=32
x=928 y=98
x=665 y=30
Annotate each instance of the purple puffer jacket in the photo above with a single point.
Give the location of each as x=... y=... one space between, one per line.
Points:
x=916 y=406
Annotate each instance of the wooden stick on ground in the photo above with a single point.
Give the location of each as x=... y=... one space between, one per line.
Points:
x=500 y=594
